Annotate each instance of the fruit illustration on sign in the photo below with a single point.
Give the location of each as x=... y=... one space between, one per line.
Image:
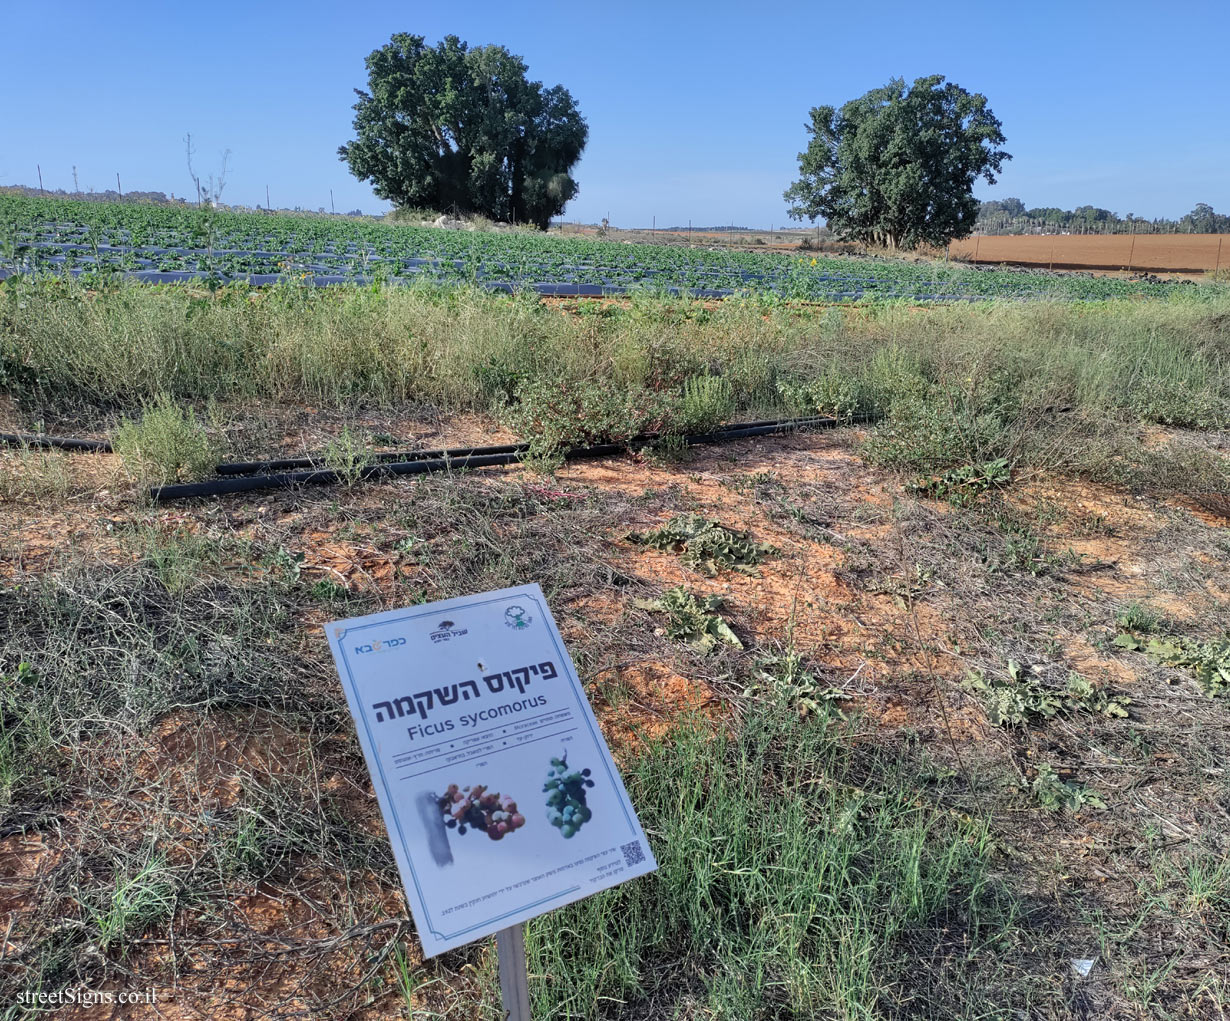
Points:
x=565 y=790
x=477 y=808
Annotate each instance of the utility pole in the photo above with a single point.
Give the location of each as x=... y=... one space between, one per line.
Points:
x=40 y=179
x=331 y=207
x=118 y=188
x=267 y=206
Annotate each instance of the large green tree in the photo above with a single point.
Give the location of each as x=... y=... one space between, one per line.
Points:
x=897 y=166
x=450 y=126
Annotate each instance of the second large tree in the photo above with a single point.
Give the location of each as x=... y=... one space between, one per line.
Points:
x=450 y=126
x=897 y=166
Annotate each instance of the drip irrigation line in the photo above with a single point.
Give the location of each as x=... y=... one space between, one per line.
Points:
x=322 y=476
x=317 y=461
x=473 y=457
x=58 y=442
x=386 y=457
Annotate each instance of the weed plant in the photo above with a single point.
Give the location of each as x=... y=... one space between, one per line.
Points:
x=705 y=545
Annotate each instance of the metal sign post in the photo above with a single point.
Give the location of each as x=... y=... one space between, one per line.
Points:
x=514 y=978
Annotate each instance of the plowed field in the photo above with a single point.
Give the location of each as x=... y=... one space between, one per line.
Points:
x=1154 y=253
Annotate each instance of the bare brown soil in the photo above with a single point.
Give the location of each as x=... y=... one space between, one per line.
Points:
x=1138 y=253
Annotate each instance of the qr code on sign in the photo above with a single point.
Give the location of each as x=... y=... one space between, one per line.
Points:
x=633 y=855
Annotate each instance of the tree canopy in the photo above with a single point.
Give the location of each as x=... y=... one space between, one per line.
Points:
x=453 y=126
x=897 y=166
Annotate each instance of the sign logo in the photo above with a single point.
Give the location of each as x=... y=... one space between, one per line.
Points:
x=377 y=646
x=447 y=630
x=517 y=619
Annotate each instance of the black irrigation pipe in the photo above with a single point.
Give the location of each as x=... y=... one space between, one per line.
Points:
x=59 y=442
x=400 y=456
x=473 y=457
x=386 y=457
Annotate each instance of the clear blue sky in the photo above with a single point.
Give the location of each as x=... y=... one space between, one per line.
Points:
x=695 y=110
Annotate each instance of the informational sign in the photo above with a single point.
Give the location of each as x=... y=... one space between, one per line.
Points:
x=498 y=791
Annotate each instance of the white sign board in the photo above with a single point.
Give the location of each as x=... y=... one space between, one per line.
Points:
x=498 y=791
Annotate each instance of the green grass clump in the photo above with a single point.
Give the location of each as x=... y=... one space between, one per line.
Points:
x=1140 y=618
x=166 y=444
x=137 y=899
x=792 y=883
x=35 y=474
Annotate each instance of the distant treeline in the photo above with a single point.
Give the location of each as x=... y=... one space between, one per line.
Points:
x=153 y=198
x=1009 y=216
x=156 y=198
x=728 y=229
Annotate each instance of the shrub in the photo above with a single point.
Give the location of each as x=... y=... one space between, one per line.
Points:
x=167 y=444
x=708 y=401
x=838 y=394
x=949 y=425
x=554 y=417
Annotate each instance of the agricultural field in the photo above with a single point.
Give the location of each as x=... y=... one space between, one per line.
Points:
x=159 y=245
x=925 y=713
x=1140 y=253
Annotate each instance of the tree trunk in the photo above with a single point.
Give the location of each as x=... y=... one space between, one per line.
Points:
x=516 y=172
